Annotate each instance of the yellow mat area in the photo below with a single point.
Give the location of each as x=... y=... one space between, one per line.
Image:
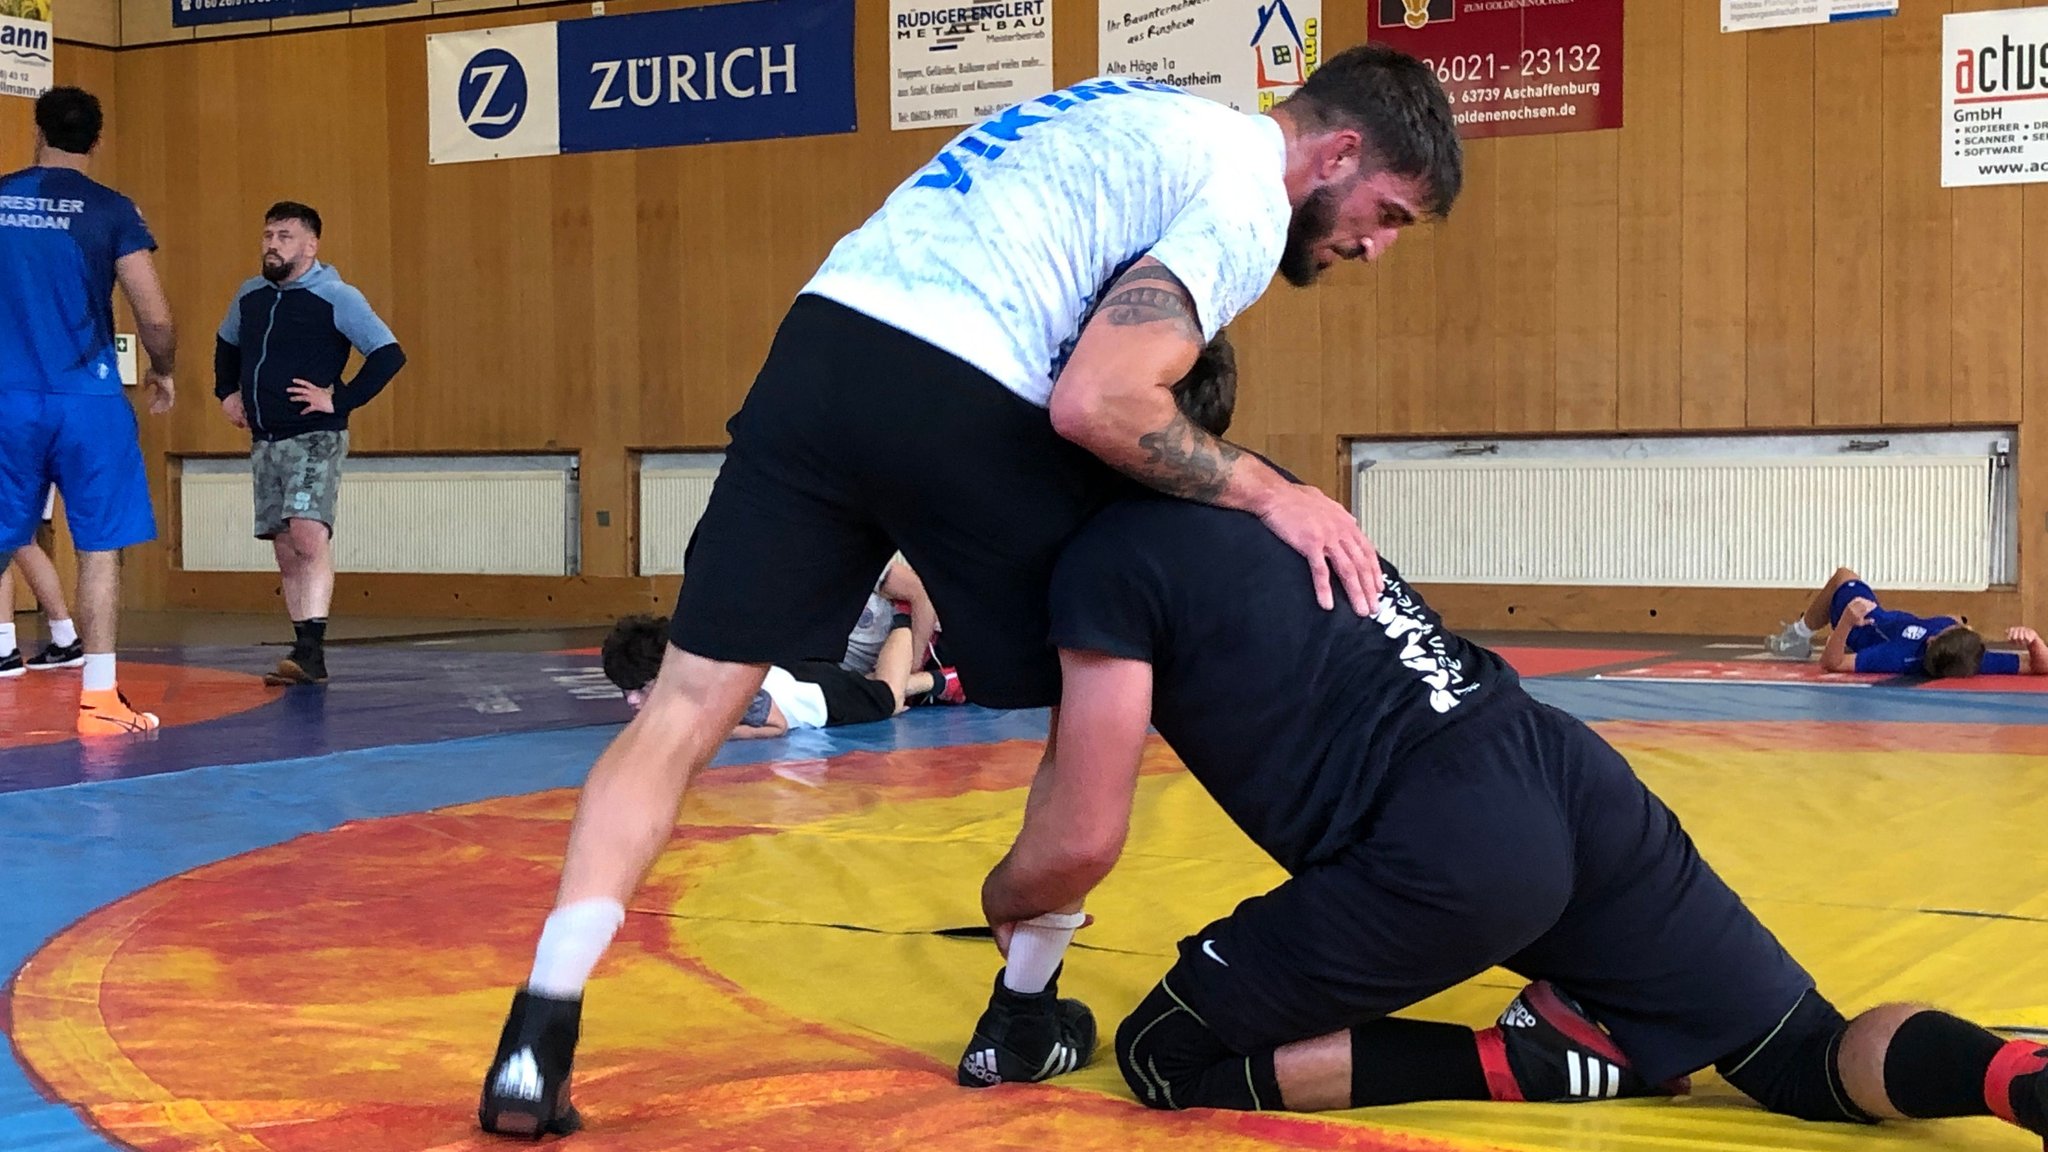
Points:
x=782 y=983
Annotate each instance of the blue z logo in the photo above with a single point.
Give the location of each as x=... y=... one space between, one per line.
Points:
x=949 y=168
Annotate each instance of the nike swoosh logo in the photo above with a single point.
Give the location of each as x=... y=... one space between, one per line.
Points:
x=1209 y=950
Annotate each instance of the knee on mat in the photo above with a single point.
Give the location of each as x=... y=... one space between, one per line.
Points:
x=1793 y=1071
x=1172 y=1060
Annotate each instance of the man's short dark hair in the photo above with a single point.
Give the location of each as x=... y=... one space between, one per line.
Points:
x=70 y=119
x=1395 y=102
x=1953 y=654
x=293 y=210
x=1207 y=395
x=632 y=653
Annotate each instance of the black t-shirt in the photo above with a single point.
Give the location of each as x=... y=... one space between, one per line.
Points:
x=1287 y=714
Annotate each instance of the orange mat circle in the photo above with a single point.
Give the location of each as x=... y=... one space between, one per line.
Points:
x=42 y=707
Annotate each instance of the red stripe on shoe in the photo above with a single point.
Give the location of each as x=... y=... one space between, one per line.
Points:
x=2016 y=1059
x=1493 y=1060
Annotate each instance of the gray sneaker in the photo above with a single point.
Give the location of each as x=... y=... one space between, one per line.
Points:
x=1789 y=644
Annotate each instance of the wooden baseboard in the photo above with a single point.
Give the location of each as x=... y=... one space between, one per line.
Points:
x=1467 y=607
x=554 y=598
x=1678 y=611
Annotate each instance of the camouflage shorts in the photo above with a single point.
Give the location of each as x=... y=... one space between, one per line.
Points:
x=297 y=478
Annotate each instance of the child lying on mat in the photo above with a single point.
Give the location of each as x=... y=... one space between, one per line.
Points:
x=803 y=694
x=1867 y=637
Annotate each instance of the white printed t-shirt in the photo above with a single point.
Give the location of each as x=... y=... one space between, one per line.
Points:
x=998 y=250
x=802 y=703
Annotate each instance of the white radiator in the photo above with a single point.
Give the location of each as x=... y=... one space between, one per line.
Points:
x=484 y=515
x=1934 y=522
x=674 y=488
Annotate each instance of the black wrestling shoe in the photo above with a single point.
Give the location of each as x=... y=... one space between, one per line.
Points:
x=1545 y=1049
x=526 y=1092
x=2024 y=1064
x=11 y=665
x=55 y=656
x=1024 y=1038
x=301 y=666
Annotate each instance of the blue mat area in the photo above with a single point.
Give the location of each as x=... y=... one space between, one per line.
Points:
x=1599 y=700
x=378 y=697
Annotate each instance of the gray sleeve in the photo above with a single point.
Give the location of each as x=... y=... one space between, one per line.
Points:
x=231 y=324
x=356 y=320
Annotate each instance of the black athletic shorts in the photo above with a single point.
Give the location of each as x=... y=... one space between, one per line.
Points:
x=850 y=698
x=1517 y=838
x=856 y=440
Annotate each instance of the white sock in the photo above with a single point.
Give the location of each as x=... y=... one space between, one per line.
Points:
x=99 y=672
x=1036 y=949
x=7 y=637
x=62 y=634
x=1800 y=629
x=571 y=944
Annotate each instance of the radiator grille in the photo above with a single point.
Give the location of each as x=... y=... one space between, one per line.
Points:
x=1922 y=522
x=490 y=516
x=674 y=489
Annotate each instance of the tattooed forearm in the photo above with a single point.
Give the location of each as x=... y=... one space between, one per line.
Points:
x=1182 y=460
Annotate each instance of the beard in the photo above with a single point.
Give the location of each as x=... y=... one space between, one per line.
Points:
x=275 y=271
x=1310 y=225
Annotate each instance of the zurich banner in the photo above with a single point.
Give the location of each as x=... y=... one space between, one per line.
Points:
x=749 y=71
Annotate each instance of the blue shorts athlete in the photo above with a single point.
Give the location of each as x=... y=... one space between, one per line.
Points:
x=65 y=241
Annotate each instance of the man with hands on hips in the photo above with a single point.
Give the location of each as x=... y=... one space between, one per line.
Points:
x=277 y=363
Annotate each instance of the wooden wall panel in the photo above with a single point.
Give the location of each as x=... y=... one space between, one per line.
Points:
x=1652 y=182
x=1525 y=287
x=1350 y=378
x=1779 y=238
x=1848 y=223
x=1405 y=344
x=95 y=22
x=1467 y=302
x=1588 y=282
x=1764 y=244
x=1713 y=286
x=1916 y=221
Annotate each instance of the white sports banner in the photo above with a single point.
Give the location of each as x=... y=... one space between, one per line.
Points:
x=1249 y=54
x=1752 y=15
x=956 y=63
x=26 y=57
x=1994 y=97
x=493 y=94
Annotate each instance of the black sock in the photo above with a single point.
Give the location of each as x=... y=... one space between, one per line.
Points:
x=1936 y=1066
x=1396 y=1061
x=311 y=634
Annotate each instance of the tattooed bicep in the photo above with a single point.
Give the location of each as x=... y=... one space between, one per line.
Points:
x=1150 y=294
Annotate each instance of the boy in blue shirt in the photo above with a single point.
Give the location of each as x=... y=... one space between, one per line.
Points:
x=1868 y=637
